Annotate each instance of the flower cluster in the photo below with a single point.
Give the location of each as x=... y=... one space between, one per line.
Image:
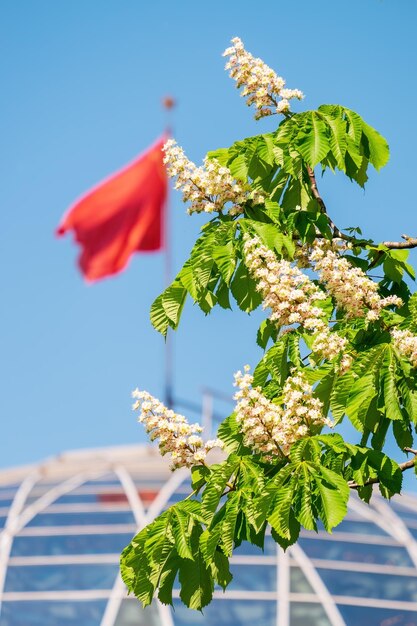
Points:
x=406 y=344
x=262 y=87
x=208 y=188
x=330 y=345
x=353 y=291
x=270 y=429
x=287 y=291
x=292 y=298
x=176 y=436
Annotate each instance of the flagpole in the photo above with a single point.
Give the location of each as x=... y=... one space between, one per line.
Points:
x=168 y=104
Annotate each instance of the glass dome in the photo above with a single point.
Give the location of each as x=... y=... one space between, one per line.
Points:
x=64 y=522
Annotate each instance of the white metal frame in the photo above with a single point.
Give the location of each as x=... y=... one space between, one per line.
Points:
x=20 y=514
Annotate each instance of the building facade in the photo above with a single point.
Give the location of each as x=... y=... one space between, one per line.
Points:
x=64 y=522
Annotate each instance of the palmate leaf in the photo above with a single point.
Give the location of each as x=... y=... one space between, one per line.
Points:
x=412 y=305
x=303 y=499
x=333 y=497
x=215 y=486
x=337 y=138
x=243 y=288
x=220 y=569
x=378 y=146
x=313 y=141
x=229 y=523
x=173 y=300
x=195 y=577
x=225 y=258
x=279 y=518
x=229 y=432
x=166 y=309
x=389 y=386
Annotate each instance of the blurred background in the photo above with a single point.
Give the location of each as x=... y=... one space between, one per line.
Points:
x=82 y=84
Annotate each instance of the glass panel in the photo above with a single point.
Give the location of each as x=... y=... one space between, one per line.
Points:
x=253 y=578
x=132 y=614
x=90 y=518
x=60 y=577
x=228 y=613
x=8 y=488
x=298 y=581
x=177 y=497
x=365 y=616
x=413 y=531
x=359 y=528
x=75 y=498
x=404 y=512
x=5 y=502
x=109 y=479
x=145 y=481
x=52 y=613
x=302 y=614
x=353 y=552
x=364 y=585
x=70 y=544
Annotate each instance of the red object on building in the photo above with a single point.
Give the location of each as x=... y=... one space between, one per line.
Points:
x=122 y=215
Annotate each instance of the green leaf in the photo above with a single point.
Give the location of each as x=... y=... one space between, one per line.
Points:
x=166 y=308
x=195 y=577
x=275 y=361
x=238 y=168
x=267 y=330
x=229 y=432
x=334 y=496
x=303 y=499
x=225 y=258
x=365 y=388
x=220 y=569
x=313 y=142
x=243 y=288
x=180 y=531
x=229 y=522
x=279 y=518
x=215 y=486
x=389 y=387
x=268 y=233
x=337 y=138
x=159 y=318
x=378 y=147
x=355 y=123
x=173 y=299
x=412 y=305
x=199 y=476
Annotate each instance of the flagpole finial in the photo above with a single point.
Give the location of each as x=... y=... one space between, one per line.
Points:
x=168 y=102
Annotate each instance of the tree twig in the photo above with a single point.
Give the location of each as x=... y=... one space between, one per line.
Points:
x=409 y=242
x=403 y=467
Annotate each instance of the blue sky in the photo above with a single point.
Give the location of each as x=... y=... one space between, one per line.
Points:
x=82 y=84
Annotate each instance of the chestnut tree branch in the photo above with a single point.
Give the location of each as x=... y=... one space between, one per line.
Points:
x=403 y=467
x=409 y=242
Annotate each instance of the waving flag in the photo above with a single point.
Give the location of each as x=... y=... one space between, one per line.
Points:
x=122 y=215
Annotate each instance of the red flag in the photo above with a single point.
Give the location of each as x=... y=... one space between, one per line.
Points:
x=122 y=215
